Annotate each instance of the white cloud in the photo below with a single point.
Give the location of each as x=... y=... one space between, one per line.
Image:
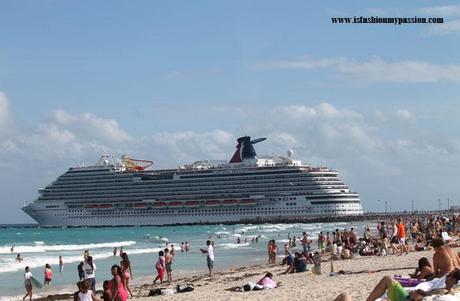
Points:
x=322 y=110
x=405 y=115
x=6 y=118
x=62 y=117
x=375 y=69
x=441 y=11
x=89 y=126
x=447 y=27
x=4 y=110
x=105 y=127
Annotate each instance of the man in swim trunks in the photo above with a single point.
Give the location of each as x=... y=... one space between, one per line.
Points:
x=304 y=241
x=168 y=263
x=402 y=237
x=445 y=259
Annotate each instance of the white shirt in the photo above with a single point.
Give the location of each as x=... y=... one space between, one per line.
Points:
x=88 y=296
x=89 y=272
x=211 y=252
x=339 y=250
x=27 y=278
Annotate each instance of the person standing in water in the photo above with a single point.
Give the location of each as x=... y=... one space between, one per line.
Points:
x=187 y=246
x=28 y=283
x=115 y=252
x=48 y=275
x=61 y=264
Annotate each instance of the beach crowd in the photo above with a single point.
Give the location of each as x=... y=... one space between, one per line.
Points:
x=394 y=236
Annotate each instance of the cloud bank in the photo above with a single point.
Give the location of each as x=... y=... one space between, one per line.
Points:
x=383 y=155
x=373 y=70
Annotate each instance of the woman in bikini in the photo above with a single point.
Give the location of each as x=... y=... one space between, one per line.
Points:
x=126 y=271
x=116 y=286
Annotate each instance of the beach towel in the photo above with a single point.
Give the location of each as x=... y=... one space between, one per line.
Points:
x=433 y=284
x=446 y=298
x=407 y=282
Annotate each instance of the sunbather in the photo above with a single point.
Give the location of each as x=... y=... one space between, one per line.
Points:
x=395 y=292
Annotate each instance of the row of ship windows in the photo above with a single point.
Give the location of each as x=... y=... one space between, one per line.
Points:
x=120 y=200
x=239 y=173
x=180 y=211
x=298 y=193
x=78 y=187
x=208 y=186
x=204 y=211
x=120 y=190
x=203 y=214
x=194 y=191
x=212 y=180
x=82 y=195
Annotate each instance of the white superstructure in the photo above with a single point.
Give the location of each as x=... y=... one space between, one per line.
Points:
x=246 y=189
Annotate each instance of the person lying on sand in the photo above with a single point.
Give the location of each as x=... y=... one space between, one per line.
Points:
x=424 y=270
x=395 y=292
x=265 y=283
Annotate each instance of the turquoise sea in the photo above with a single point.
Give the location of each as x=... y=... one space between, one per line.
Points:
x=40 y=246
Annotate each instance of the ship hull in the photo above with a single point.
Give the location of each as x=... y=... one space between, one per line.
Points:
x=200 y=215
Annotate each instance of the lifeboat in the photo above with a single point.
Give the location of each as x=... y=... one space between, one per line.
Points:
x=138 y=206
x=247 y=202
x=192 y=204
x=229 y=202
x=174 y=204
x=91 y=206
x=159 y=204
x=211 y=203
x=105 y=206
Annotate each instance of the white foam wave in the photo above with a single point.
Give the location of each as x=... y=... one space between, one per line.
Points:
x=222 y=233
x=232 y=246
x=40 y=247
x=39 y=261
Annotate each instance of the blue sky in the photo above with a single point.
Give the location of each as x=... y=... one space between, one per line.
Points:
x=154 y=79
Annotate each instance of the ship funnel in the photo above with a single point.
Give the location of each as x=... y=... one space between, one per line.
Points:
x=245 y=150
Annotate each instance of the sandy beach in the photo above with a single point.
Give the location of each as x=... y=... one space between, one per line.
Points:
x=367 y=271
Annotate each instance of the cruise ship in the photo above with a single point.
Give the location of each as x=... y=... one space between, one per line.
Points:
x=248 y=188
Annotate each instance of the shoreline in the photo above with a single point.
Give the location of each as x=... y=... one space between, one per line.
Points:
x=369 y=216
x=365 y=273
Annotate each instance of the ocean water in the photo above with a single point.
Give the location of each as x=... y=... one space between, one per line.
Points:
x=40 y=246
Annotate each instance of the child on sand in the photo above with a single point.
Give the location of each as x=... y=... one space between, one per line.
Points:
x=85 y=294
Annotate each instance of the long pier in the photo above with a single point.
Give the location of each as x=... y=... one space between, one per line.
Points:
x=368 y=216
